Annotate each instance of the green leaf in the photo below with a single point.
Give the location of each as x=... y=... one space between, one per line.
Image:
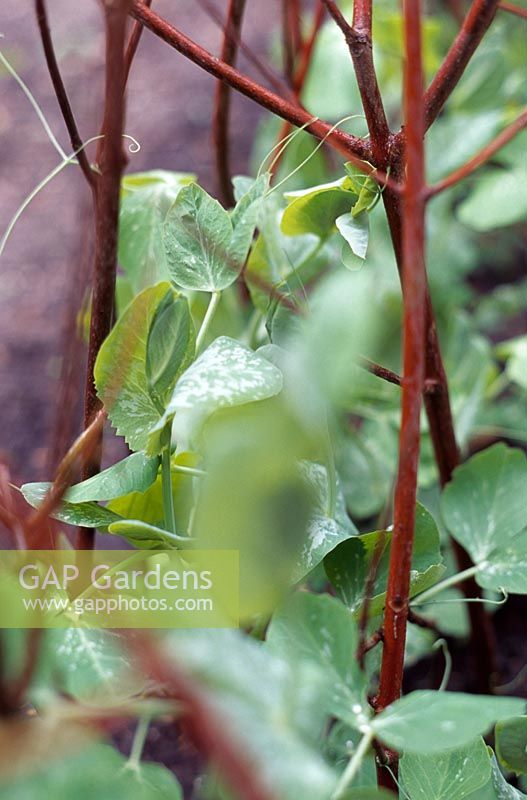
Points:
x=324 y=533
x=277 y=705
x=484 y=505
x=145 y=200
x=502 y=790
x=120 y=369
x=426 y=722
x=498 y=199
x=88 y=515
x=367 y=793
x=98 y=771
x=506 y=568
x=148 y=506
x=89 y=665
x=366 y=462
x=348 y=565
x=319 y=629
x=226 y=374
x=356 y=231
x=244 y=218
x=170 y=347
x=315 y=210
x=451 y=775
x=147 y=537
x=364 y=186
x=515 y=353
x=133 y=474
x=206 y=247
x=255 y=499
x=511 y=744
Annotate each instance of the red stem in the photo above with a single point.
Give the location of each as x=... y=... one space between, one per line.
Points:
x=291 y=37
x=476 y=24
x=220 y=122
x=512 y=9
x=133 y=44
x=307 y=50
x=359 y=40
x=482 y=157
x=354 y=148
x=60 y=91
x=107 y=214
x=414 y=295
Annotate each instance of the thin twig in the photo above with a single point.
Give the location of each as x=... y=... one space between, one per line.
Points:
x=304 y=59
x=476 y=24
x=380 y=371
x=60 y=91
x=481 y=158
x=107 y=212
x=79 y=454
x=220 y=122
x=353 y=147
x=133 y=44
x=291 y=37
x=369 y=644
x=513 y=9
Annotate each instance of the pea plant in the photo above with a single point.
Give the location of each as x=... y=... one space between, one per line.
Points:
x=307 y=373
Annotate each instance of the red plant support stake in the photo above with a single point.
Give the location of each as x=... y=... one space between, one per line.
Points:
x=476 y=24
x=107 y=215
x=414 y=294
x=220 y=122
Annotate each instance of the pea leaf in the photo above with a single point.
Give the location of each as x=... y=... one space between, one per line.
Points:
x=511 y=744
x=426 y=722
x=147 y=537
x=134 y=473
x=451 y=775
x=348 y=564
x=145 y=200
x=244 y=218
x=120 y=369
x=501 y=789
x=255 y=499
x=206 y=247
x=315 y=210
x=148 y=506
x=226 y=374
x=89 y=515
x=324 y=533
x=98 y=771
x=89 y=665
x=277 y=705
x=319 y=629
x=356 y=232
x=484 y=505
x=506 y=567
x=170 y=347
x=497 y=199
